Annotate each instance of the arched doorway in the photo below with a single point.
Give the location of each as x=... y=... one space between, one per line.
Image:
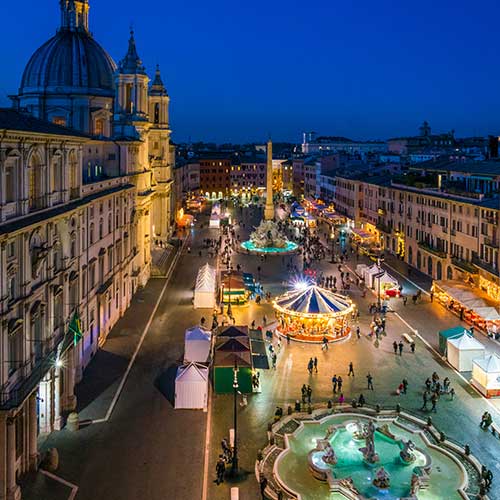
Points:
x=439 y=271
x=429 y=266
x=419 y=259
x=410 y=256
x=449 y=273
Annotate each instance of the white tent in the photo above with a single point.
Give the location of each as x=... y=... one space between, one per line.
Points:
x=197 y=342
x=473 y=303
x=486 y=375
x=205 y=288
x=214 y=221
x=462 y=350
x=360 y=270
x=191 y=387
x=369 y=273
x=487 y=313
x=386 y=281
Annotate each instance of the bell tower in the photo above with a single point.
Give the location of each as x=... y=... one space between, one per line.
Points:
x=75 y=15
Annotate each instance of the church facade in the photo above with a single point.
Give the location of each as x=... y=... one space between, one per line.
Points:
x=85 y=199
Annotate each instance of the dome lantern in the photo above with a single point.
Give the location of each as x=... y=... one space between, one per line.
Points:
x=74 y=15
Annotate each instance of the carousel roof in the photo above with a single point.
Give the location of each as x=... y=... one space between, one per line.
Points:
x=313 y=300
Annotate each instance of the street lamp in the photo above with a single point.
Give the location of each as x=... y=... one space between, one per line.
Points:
x=234 y=464
x=229 y=308
x=332 y=239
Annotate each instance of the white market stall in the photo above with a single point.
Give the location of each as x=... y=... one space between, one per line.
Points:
x=461 y=351
x=360 y=270
x=370 y=273
x=205 y=288
x=191 y=387
x=197 y=344
x=486 y=375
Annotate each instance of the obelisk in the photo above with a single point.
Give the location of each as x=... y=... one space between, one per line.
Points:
x=269 y=210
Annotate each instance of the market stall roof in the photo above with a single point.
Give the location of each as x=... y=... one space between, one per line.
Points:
x=206 y=278
x=466 y=343
x=488 y=313
x=233 y=282
x=489 y=364
x=192 y=372
x=453 y=332
x=197 y=333
x=231 y=358
x=233 y=331
x=361 y=233
x=234 y=345
x=474 y=303
x=313 y=300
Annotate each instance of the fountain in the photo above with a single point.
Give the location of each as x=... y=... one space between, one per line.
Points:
x=406 y=454
x=267 y=238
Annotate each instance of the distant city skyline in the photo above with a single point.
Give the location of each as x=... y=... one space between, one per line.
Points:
x=237 y=72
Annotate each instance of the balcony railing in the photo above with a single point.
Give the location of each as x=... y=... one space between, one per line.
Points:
x=486 y=266
x=490 y=242
x=464 y=265
x=435 y=251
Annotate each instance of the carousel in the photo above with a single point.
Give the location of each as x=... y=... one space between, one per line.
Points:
x=310 y=313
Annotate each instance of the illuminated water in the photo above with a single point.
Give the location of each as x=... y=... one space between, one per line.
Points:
x=290 y=247
x=446 y=476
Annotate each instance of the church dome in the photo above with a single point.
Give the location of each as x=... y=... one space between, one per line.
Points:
x=71 y=61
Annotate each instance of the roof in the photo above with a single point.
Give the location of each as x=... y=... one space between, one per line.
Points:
x=313 y=300
x=453 y=332
x=193 y=372
x=241 y=344
x=10 y=119
x=131 y=64
x=233 y=331
x=489 y=364
x=445 y=164
x=197 y=333
x=466 y=343
x=206 y=279
x=232 y=358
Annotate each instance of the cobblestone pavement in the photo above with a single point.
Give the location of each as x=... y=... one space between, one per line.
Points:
x=459 y=418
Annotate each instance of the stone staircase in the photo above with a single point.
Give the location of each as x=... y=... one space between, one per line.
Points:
x=160 y=260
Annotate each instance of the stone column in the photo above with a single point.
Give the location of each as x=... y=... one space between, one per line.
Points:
x=56 y=384
x=269 y=209
x=33 y=434
x=13 y=490
x=69 y=380
x=3 y=457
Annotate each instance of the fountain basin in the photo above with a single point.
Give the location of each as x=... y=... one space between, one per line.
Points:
x=289 y=248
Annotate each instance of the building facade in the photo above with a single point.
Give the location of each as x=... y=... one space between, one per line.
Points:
x=85 y=189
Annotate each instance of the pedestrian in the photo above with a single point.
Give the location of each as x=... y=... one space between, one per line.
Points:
x=412 y=347
x=428 y=384
x=341 y=399
x=452 y=394
x=358 y=332
x=395 y=347
x=263 y=486
x=400 y=345
x=405 y=300
x=310 y=366
x=351 y=369
x=369 y=379
x=339 y=383
x=309 y=394
x=334 y=384
x=424 y=399
x=361 y=400
x=434 y=399
x=405 y=385
x=274 y=359
x=304 y=393
x=288 y=339
x=432 y=295
x=324 y=347
x=220 y=469
x=315 y=362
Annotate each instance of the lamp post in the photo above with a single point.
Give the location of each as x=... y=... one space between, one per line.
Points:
x=229 y=308
x=332 y=239
x=234 y=463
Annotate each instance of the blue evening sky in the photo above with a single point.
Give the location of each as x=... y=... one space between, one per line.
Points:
x=237 y=70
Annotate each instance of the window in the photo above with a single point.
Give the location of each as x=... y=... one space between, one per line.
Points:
x=99 y=127
x=10 y=183
x=110 y=223
x=101 y=229
x=59 y=120
x=91 y=233
x=110 y=259
x=92 y=275
x=15 y=348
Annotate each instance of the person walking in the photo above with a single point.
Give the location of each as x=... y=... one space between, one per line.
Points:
x=315 y=362
x=452 y=394
x=405 y=386
x=395 y=347
x=400 y=346
x=434 y=399
x=425 y=400
x=412 y=347
x=351 y=369
x=310 y=366
x=358 y=332
x=220 y=470
x=405 y=300
x=369 y=379
x=304 y=393
x=334 y=384
x=339 y=383
x=361 y=400
x=324 y=347
x=309 y=394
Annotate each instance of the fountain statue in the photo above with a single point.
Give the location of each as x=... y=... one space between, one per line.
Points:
x=415 y=484
x=369 y=453
x=382 y=479
x=406 y=454
x=329 y=457
x=267 y=235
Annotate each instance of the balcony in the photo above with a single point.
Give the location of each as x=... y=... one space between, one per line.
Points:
x=464 y=265
x=435 y=251
x=490 y=242
x=485 y=266
x=384 y=228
